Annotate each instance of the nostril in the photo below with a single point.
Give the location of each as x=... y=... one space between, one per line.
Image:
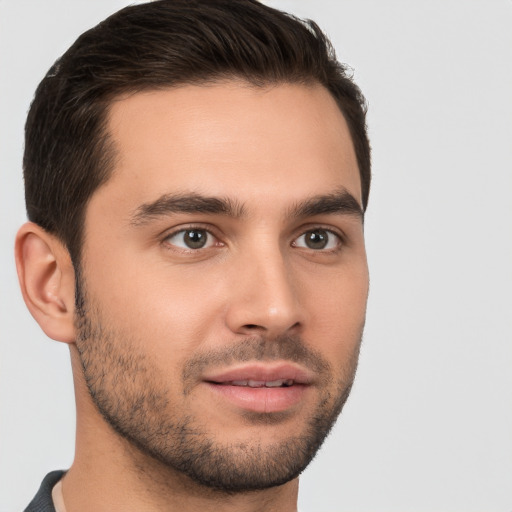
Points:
x=251 y=326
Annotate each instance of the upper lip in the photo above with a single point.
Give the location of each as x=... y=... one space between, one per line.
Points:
x=262 y=372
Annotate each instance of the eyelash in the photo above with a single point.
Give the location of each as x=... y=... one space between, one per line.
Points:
x=340 y=239
x=184 y=231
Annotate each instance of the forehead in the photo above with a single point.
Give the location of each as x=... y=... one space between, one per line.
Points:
x=230 y=139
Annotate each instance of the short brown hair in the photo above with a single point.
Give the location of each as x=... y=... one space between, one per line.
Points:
x=163 y=43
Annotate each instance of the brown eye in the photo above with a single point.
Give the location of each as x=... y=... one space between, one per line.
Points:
x=193 y=238
x=318 y=239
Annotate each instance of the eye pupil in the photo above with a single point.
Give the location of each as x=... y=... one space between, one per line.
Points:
x=195 y=238
x=317 y=239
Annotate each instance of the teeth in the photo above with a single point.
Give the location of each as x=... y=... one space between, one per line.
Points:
x=275 y=383
x=261 y=383
x=239 y=383
x=256 y=383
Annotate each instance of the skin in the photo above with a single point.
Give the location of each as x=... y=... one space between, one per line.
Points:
x=266 y=150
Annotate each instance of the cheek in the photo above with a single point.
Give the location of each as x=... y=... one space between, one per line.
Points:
x=337 y=309
x=170 y=310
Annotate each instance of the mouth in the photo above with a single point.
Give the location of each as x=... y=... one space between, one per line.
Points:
x=279 y=383
x=261 y=388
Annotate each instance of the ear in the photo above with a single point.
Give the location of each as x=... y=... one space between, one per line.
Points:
x=47 y=281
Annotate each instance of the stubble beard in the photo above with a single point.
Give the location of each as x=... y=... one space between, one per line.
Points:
x=133 y=397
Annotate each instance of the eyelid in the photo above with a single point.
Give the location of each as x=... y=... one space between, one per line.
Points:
x=334 y=231
x=328 y=229
x=188 y=227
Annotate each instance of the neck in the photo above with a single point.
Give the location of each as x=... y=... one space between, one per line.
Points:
x=109 y=473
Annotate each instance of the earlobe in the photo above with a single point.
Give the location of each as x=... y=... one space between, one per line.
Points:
x=47 y=282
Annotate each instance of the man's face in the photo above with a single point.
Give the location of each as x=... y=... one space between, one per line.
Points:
x=224 y=279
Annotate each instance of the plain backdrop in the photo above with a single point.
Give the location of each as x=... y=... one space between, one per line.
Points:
x=429 y=424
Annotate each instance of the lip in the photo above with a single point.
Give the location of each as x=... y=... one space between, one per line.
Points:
x=261 y=399
x=262 y=372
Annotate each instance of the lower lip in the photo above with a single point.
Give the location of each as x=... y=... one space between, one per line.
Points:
x=263 y=400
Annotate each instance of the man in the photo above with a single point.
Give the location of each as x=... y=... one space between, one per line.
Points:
x=196 y=179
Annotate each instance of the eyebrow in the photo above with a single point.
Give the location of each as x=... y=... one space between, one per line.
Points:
x=340 y=202
x=186 y=203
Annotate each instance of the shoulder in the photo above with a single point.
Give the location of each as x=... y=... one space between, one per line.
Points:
x=42 y=501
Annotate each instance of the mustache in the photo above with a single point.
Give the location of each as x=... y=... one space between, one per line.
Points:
x=258 y=348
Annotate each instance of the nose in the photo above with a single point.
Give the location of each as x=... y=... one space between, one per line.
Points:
x=264 y=297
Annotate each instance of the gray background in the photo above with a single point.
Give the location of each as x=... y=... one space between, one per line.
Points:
x=429 y=423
